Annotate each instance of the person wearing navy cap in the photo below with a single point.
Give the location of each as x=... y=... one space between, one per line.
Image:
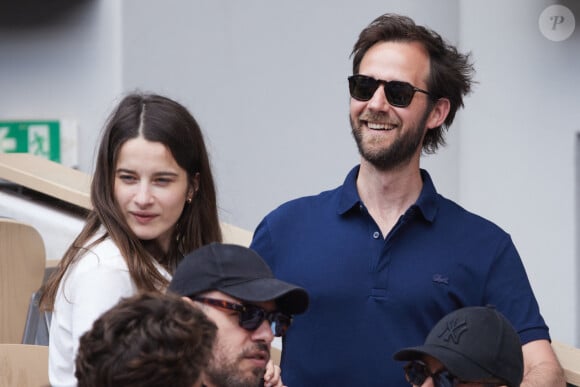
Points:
x=237 y=290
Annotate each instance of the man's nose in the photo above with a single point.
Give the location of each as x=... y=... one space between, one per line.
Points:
x=378 y=101
x=264 y=332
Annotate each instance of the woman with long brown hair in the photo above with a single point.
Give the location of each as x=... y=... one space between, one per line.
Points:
x=153 y=200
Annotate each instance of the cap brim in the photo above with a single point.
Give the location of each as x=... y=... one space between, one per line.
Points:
x=289 y=298
x=454 y=362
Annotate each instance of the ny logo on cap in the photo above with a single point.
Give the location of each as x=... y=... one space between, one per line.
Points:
x=453 y=331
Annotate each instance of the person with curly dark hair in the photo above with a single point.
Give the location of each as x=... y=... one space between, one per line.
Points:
x=384 y=256
x=148 y=340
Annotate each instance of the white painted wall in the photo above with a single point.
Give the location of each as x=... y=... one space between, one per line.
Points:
x=517 y=164
x=61 y=59
x=267 y=82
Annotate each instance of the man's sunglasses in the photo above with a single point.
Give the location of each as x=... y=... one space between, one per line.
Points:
x=417 y=372
x=252 y=316
x=398 y=93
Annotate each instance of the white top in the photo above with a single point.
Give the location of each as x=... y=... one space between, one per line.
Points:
x=90 y=287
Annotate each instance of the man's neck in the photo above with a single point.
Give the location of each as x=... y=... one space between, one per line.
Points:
x=388 y=194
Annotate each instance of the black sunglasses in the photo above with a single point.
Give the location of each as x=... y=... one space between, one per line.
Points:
x=398 y=93
x=252 y=316
x=417 y=372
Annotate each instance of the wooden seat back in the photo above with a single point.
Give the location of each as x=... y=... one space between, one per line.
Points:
x=22 y=263
x=23 y=365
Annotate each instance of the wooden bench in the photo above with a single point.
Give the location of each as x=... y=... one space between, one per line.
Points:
x=22 y=265
x=569 y=358
x=23 y=365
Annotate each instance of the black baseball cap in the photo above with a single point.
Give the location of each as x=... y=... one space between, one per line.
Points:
x=238 y=272
x=474 y=343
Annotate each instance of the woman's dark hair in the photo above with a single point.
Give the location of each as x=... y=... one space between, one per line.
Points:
x=157 y=119
x=450 y=74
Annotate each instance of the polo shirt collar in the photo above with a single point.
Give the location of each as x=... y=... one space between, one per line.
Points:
x=349 y=195
x=426 y=203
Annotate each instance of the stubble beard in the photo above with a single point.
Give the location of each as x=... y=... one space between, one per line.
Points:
x=223 y=371
x=396 y=155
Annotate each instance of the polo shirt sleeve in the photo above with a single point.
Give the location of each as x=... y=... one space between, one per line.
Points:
x=262 y=243
x=509 y=289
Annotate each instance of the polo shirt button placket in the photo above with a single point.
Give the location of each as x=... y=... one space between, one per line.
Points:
x=376 y=235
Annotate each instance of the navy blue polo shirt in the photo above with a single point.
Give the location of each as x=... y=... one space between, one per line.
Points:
x=371 y=296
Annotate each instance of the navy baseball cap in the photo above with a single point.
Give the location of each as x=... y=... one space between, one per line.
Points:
x=238 y=272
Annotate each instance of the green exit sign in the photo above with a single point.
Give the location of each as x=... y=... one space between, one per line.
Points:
x=40 y=138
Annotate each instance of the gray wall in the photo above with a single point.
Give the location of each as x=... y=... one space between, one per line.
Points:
x=61 y=59
x=267 y=82
x=518 y=138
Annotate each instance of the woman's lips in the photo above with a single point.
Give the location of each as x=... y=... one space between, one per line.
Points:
x=143 y=218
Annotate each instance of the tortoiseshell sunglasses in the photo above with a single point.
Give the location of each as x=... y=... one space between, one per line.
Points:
x=251 y=316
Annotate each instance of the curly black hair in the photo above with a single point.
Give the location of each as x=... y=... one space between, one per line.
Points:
x=148 y=340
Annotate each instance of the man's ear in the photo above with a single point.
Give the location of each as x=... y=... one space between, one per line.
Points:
x=438 y=113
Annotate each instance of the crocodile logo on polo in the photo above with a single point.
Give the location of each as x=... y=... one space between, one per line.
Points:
x=440 y=279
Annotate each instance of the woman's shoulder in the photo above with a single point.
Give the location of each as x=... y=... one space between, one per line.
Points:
x=104 y=254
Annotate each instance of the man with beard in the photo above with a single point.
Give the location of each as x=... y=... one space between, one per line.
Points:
x=384 y=256
x=237 y=291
